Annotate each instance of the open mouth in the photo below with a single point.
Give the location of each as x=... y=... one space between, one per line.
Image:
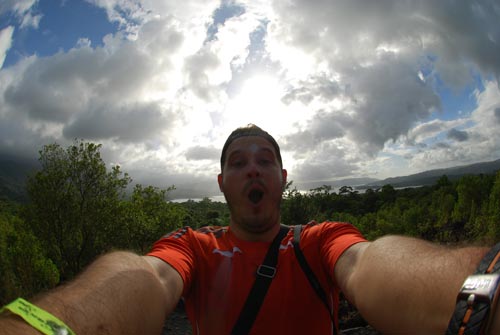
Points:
x=255 y=196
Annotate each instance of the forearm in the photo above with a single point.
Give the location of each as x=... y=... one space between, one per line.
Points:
x=119 y=293
x=407 y=285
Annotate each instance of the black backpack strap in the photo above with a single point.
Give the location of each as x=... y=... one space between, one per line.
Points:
x=264 y=276
x=313 y=280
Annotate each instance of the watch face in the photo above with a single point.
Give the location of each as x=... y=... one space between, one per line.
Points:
x=483 y=287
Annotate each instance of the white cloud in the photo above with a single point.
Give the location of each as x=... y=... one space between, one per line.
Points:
x=23 y=10
x=30 y=21
x=427 y=131
x=461 y=141
x=5 y=42
x=19 y=7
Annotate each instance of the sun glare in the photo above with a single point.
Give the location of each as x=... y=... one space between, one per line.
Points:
x=259 y=102
x=260 y=90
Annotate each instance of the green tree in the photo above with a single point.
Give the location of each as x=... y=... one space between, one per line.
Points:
x=75 y=204
x=493 y=211
x=205 y=212
x=24 y=268
x=369 y=201
x=472 y=194
x=148 y=216
x=438 y=224
x=388 y=194
x=297 y=208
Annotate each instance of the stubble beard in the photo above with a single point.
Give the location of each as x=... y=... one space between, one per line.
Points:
x=255 y=224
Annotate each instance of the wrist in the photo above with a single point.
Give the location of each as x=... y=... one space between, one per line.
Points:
x=495 y=322
x=476 y=308
x=12 y=324
x=20 y=312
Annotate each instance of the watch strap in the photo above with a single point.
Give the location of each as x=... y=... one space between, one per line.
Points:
x=490 y=263
x=471 y=312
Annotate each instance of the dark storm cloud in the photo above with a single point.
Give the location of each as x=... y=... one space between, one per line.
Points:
x=132 y=123
x=196 y=67
x=496 y=112
x=458 y=135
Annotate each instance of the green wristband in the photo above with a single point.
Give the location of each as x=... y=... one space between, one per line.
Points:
x=38 y=318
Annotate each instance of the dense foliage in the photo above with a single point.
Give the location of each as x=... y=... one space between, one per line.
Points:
x=447 y=212
x=74 y=203
x=24 y=268
x=79 y=209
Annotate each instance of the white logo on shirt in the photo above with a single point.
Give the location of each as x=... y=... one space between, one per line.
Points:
x=227 y=253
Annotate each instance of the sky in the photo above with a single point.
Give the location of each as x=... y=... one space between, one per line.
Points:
x=349 y=88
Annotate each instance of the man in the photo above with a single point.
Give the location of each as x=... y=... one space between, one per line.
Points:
x=400 y=285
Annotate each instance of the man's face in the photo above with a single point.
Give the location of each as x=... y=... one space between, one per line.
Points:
x=252 y=181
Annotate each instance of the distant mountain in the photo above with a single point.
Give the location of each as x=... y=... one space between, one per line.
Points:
x=353 y=182
x=14 y=172
x=430 y=177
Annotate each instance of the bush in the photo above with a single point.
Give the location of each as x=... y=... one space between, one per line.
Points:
x=24 y=268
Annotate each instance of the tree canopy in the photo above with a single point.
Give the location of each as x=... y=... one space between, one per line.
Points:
x=74 y=203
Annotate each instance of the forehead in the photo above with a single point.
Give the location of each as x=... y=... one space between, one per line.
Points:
x=251 y=144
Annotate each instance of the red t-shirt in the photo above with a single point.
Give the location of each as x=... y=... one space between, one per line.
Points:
x=218 y=270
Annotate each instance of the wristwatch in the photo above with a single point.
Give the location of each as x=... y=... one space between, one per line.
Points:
x=477 y=297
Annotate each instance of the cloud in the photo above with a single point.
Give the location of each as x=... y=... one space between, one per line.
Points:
x=131 y=15
x=496 y=112
x=374 y=53
x=458 y=135
x=478 y=141
x=372 y=104
x=341 y=30
x=383 y=62
x=330 y=161
x=119 y=94
x=477 y=41
x=203 y=153
x=198 y=67
x=136 y=122
x=23 y=10
x=324 y=127
x=5 y=42
x=316 y=87
x=372 y=61
x=387 y=99
x=425 y=131
x=75 y=88
x=17 y=6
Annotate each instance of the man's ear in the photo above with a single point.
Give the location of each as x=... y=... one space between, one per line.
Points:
x=284 y=174
x=219 y=181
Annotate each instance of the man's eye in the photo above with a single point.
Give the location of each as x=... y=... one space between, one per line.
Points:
x=265 y=161
x=237 y=163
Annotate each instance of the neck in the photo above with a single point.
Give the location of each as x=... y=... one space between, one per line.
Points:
x=267 y=234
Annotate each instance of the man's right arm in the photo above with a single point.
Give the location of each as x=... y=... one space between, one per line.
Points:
x=120 y=293
x=404 y=285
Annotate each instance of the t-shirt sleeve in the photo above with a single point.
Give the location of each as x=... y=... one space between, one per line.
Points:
x=175 y=249
x=337 y=238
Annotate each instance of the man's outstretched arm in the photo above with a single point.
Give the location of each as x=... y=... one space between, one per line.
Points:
x=406 y=285
x=120 y=293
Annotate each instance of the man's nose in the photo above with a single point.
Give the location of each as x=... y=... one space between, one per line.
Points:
x=253 y=170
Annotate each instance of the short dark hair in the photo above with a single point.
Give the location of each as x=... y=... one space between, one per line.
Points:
x=249 y=130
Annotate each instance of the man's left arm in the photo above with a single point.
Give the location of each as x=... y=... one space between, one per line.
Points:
x=406 y=285
x=119 y=293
